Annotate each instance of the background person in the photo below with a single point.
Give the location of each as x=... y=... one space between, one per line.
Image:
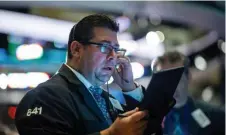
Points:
x=188 y=117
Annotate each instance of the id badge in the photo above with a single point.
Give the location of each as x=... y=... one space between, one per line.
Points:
x=116 y=104
x=201 y=118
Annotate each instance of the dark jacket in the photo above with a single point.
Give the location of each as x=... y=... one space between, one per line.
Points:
x=62 y=106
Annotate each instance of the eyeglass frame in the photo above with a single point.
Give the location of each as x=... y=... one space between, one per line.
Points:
x=105 y=45
x=99 y=44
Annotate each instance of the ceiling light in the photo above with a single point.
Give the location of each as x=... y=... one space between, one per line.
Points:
x=200 y=63
x=152 y=38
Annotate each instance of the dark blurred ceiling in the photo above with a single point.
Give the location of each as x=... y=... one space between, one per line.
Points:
x=204 y=15
x=217 y=5
x=182 y=22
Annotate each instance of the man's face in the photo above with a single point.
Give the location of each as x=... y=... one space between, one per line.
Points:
x=181 y=93
x=96 y=66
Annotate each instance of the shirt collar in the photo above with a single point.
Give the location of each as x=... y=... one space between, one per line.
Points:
x=80 y=77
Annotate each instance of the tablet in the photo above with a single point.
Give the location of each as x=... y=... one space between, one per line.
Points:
x=161 y=89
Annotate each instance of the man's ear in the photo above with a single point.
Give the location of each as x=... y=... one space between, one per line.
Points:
x=75 y=48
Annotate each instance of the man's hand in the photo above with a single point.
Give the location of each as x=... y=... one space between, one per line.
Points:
x=123 y=76
x=130 y=125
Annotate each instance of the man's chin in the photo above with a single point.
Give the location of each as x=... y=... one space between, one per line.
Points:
x=104 y=79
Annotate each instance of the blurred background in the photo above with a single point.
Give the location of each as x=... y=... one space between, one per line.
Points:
x=34 y=35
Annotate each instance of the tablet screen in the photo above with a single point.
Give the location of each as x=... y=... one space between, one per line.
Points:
x=161 y=89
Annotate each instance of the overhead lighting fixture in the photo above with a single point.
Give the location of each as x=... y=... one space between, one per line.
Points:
x=129 y=45
x=207 y=94
x=17 y=80
x=155 y=19
x=35 y=78
x=160 y=35
x=152 y=38
x=200 y=63
x=142 y=22
x=148 y=50
x=221 y=45
x=124 y=36
x=38 y=27
x=26 y=80
x=3 y=81
x=124 y=23
x=28 y=52
x=35 y=26
x=138 y=70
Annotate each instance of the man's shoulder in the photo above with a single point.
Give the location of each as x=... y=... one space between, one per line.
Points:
x=52 y=91
x=54 y=87
x=208 y=107
x=55 y=81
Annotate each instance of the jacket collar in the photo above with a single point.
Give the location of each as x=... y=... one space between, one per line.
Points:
x=69 y=75
x=80 y=87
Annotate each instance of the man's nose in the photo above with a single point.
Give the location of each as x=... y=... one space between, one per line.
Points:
x=112 y=55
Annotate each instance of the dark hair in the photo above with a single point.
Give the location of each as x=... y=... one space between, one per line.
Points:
x=174 y=57
x=83 y=30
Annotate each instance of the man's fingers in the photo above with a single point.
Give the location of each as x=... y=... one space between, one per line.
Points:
x=124 y=58
x=140 y=128
x=142 y=124
x=123 y=61
x=130 y=112
x=138 y=115
x=116 y=75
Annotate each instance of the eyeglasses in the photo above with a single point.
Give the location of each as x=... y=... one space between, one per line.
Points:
x=107 y=48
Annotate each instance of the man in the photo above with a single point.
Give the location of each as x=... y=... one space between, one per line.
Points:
x=188 y=117
x=72 y=102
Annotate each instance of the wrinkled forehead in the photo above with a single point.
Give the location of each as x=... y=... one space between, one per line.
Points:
x=101 y=34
